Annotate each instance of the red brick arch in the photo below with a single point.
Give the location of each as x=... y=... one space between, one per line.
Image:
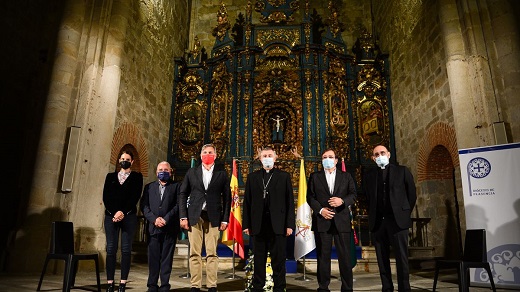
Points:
x=127 y=134
x=439 y=134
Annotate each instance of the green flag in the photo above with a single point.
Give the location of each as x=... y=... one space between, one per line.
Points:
x=183 y=235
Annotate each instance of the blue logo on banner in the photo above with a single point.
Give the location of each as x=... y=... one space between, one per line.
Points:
x=479 y=167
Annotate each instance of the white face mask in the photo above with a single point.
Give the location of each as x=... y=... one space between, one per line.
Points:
x=328 y=163
x=268 y=162
x=382 y=161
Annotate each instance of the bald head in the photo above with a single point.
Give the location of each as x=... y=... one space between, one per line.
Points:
x=381 y=156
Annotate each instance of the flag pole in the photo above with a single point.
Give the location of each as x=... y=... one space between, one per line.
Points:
x=304 y=277
x=233 y=275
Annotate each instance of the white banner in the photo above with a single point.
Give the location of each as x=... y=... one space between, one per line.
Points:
x=491 y=186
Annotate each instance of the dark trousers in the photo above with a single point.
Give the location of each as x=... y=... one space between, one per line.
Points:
x=389 y=234
x=323 y=251
x=160 y=260
x=127 y=227
x=275 y=244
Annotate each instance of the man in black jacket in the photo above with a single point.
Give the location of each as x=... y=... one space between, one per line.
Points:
x=330 y=193
x=204 y=206
x=391 y=194
x=269 y=218
x=159 y=207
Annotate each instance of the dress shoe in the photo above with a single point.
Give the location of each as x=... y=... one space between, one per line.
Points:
x=212 y=289
x=122 y=287
x=194 y=289
x=111 y=287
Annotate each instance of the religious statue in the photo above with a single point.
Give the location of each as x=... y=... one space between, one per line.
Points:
x=277 y=129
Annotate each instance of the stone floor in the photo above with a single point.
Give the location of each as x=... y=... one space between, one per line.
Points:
x=421 y=280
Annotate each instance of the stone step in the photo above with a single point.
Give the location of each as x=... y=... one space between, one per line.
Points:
x=420 y=258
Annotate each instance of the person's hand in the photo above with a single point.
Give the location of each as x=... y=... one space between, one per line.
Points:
x=288 y=232
x=223 y=226
x=294 y=151
x=118 y=216
x=327 y=213
x=160 y=222
x=335 y=202
x=184 y=224
x=258 y=152
x=246 y=231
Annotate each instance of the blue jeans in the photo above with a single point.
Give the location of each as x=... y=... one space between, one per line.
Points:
x=127 y=226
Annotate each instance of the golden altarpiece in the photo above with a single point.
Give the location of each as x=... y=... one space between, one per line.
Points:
x=281 y=83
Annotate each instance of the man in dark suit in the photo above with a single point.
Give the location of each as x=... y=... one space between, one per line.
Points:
x=204 y=206
x=159 y=207
x=329 y=193
x=269 y=218
x=391 y=194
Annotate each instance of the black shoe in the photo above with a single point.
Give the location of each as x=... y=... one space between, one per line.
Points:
x=122 y=287
x=194 y=289
x=212 y=289
x=111 y=287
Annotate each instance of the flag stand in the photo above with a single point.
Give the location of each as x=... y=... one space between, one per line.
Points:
x=304 y=277
x=188 y=274
x=233 y=275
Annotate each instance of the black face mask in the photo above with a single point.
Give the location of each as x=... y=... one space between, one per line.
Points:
x=125 y=164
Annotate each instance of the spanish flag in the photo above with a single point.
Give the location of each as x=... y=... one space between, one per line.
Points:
x=232 y=236
x=304 y=236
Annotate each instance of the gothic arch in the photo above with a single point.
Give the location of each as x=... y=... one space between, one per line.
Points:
x=438 y=134
x=128 y=134
x=437 y=161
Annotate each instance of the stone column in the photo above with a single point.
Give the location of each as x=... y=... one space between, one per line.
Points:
x=44 y=204
x=472 y=95
x=97 y=111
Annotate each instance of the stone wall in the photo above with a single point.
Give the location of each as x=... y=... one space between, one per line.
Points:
x=28 y=44
x=156 y=34
x=409 y=32
x=503 y=49
x=111 y=75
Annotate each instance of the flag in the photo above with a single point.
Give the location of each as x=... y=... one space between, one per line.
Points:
x=304 y=238
x=183 y=235
x=232 y=236
x=353 y=239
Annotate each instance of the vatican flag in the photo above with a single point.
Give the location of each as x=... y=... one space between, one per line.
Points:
x=304 y=238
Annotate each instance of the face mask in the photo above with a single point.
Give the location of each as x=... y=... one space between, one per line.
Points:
x=163 y=176
x=328 y=163
x=125 y=164
x=208 y=158
x=382 y=161
x=268 y=162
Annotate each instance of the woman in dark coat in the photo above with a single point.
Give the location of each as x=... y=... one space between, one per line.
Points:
x=121 y=192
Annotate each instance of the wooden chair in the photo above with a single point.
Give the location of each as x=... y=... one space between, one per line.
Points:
x=62 y=248
x=474 y=256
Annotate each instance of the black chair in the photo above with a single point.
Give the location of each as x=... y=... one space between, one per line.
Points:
x=62 y=248
x=474 y=256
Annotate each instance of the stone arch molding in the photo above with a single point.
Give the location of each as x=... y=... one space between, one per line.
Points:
x=438 y=134
x=128 y=133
